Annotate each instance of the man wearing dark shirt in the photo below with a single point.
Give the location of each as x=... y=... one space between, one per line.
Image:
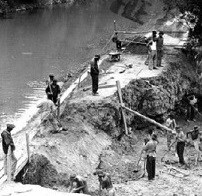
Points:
x=94 y=71
x=54 y=91
x=7 y=141
x=159 y=49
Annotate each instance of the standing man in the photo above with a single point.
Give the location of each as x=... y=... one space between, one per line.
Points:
x=180 y=138
x=53 y=90
x=171 y=124
x=152 y=58
x=94 y=71
x=78 y=184
x=191 y=107
x=7 y=141
x=159 y=48
x=150 y=150
x=194 y=135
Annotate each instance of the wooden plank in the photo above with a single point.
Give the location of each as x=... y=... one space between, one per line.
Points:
x=58 y=109
x=21 y=164
x=121 y=102
x=147 y=119
x=27 y=144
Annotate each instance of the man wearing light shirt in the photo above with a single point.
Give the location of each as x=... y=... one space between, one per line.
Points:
x=152 y=58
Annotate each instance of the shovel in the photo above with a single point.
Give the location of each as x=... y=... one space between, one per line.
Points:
x=137 y=168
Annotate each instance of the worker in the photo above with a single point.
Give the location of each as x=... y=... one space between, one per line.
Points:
x=159 y=49
x=180 y=139
x=47 y=110
x=7 y=141
x=191 y=107
x=94 y=71
x=115 y=37
x=147 y=41
x=152 y=57
x=105 y=183
x=78 y=184
x=194 y=135
x=171 y=124
x=150 y=150
x=53 y=90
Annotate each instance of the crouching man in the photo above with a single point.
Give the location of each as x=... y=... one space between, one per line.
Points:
x=105 y=183
x=78 y=184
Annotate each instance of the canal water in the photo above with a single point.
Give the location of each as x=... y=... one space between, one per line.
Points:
x=53 y=40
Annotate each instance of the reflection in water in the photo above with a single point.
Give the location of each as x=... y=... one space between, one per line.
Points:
x=56 y=40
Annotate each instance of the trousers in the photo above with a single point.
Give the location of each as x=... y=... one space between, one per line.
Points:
x=180 y=152
x=13 y=164
x=152 y=59
x=94 y=83
x=159 y=55
x=151 y=167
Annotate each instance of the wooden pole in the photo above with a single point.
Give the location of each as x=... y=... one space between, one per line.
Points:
x=28 y=149
x=9 y=164
x=121 y=102
x=147 y=119
x=133 y=32
x=58 y=109
x=114 y=25
x=79 y=81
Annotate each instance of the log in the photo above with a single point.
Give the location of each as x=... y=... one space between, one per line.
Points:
x=147 y=119
x=121 y=102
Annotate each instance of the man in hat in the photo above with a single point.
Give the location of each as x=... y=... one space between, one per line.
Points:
x=78 y=184
x=159 y=49
x=94 y=71
x=194 y=135
x=7 y=141
x=105 y=183
x=180 y=139
x=53 y=90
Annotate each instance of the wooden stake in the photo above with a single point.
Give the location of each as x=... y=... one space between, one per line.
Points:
x=147 y=119
x=58 y=109
x=28 y=149
x=121 y=102
x=9 y=164
x=114 y=25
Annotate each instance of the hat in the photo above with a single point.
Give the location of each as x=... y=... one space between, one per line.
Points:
x=177 y=127
x=196 y=127
x=97 y=56
x=10 y=126
x=161 y=33
x=51 y=75
x=72 y=176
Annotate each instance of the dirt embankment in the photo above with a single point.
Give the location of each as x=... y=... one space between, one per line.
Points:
x=93 y=126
